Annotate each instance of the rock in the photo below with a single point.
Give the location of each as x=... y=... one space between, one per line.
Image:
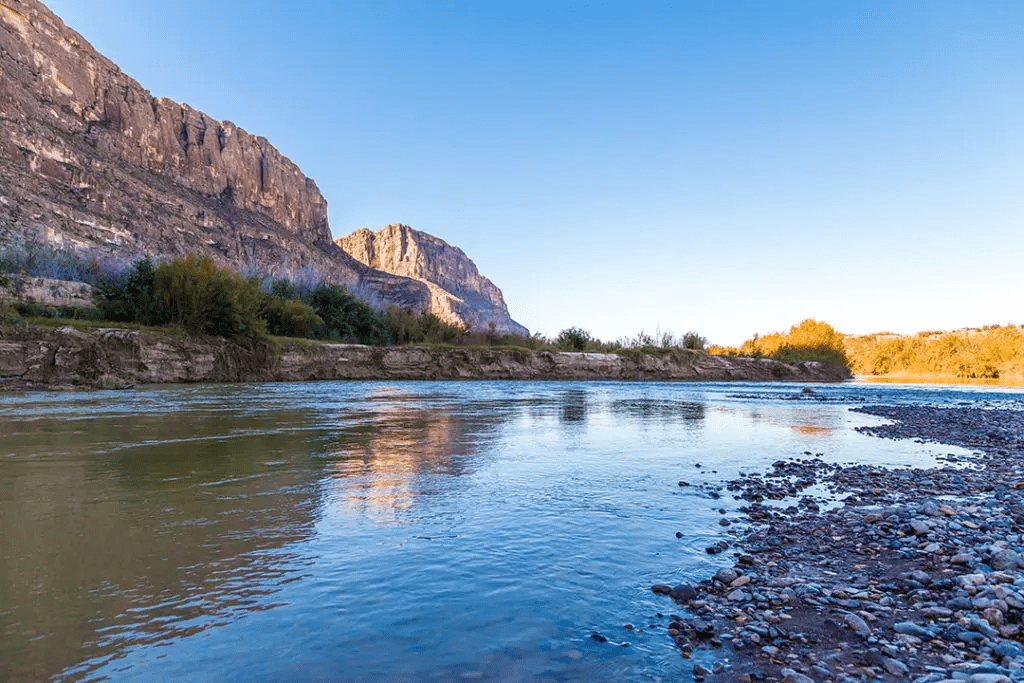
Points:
x=90 y=158
x=1005 y=559
x=661 y=589
x=857 y=624
x=988 y=678
x=896 y=668
x=459 y=292
x=792 y=676
x=740 y=581
x=683 y=593
x=920 y=528
x=726 y=576
x=598 y=637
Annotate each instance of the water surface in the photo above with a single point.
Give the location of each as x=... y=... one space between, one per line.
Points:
x=399 y=531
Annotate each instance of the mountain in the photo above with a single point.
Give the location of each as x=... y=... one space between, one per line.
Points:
x=458 y=290
x=90 y=160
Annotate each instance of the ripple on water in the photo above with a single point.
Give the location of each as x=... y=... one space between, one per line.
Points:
x=388 y=530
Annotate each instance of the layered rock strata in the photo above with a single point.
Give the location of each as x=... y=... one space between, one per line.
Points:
x=458 y=291
x=89 y=159
x=42 y=357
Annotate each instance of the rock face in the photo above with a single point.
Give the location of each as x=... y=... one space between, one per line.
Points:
x=44 y=357
x=458 y=291
x=90 y=160
x=19 y=289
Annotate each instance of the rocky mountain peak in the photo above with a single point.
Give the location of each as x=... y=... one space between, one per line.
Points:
x=458 y=289
x=89 y=159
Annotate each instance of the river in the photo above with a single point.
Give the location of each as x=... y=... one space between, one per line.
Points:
x=389 y=531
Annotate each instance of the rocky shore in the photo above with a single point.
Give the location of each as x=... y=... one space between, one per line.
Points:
x=918 y=575
x=36 y=357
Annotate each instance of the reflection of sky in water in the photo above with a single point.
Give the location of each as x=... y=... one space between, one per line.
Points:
x=352 y=531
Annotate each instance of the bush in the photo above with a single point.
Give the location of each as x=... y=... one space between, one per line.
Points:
x=809 y=340
x=197 y=295
x=129 y=297
x=692 y=340
x=411 y=327
x=573 y=339
x=345 y=317
x=288 y=317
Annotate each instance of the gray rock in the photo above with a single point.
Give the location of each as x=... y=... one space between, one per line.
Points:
x=1005 y=559
x=896 y=668
x=858 y=624
x=911 y=629
x=683 y=593
x=726 y=576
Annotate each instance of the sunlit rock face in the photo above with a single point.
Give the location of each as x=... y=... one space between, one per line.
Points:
x=90 y=160
x=458 y=291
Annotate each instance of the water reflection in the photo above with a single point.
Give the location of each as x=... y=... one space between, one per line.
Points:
x=134 y=528
x=660 y=410
x=573 y=406
x=359 y=531
x=387 y=457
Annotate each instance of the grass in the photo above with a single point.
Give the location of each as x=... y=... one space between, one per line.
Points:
x=90 y=325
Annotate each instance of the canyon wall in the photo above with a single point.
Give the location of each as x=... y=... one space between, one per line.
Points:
x=89 y=159
x=458 y=290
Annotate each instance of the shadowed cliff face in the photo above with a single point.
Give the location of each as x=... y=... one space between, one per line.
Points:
x=88 y=158
x=458 y=291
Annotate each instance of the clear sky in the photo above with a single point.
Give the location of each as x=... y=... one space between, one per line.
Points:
x=724 y=167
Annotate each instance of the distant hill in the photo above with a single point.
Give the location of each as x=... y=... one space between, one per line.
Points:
x=90 y=160
x=458 y=290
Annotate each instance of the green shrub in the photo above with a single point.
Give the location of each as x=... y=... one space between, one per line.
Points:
x=345 y=317
x=288 y=317
x=411 y=327
x=129 y=297
x=9 y=315
x=574 y=339
x=203 y=299
x=692 y=340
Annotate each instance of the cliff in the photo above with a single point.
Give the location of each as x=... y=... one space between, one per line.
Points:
x=90 y=160
x=34 y=357
x=458 y=291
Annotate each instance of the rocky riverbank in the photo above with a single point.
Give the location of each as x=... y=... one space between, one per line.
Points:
x=919 y=575
x=37 y=357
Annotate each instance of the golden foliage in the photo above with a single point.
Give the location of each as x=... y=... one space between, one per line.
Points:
x=807 y=340
x=989 y=353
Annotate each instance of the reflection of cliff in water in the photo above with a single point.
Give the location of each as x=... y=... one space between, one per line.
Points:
x=126 y=529
x=392 y=451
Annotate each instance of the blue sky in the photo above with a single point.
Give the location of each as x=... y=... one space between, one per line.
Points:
x=724 y=167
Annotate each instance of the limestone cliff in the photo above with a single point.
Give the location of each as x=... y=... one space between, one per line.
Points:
x=89 y=159
x=45 y=358
x=458 y=291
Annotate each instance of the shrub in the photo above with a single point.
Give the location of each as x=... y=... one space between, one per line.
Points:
x=574 y=339
x=809 y=340
x=197 y=295
x=411 y=327
x=288 y=317
x=345 y=317
x=129 y=297
x=692 y=340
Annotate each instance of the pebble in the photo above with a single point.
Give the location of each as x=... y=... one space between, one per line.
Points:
x=916 y=576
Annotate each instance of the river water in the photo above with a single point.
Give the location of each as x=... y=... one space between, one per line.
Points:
x=388 y=531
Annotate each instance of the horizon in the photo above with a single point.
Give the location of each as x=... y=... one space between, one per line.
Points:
x=729 y=170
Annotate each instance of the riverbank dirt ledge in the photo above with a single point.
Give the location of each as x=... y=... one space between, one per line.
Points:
x=38 y=357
